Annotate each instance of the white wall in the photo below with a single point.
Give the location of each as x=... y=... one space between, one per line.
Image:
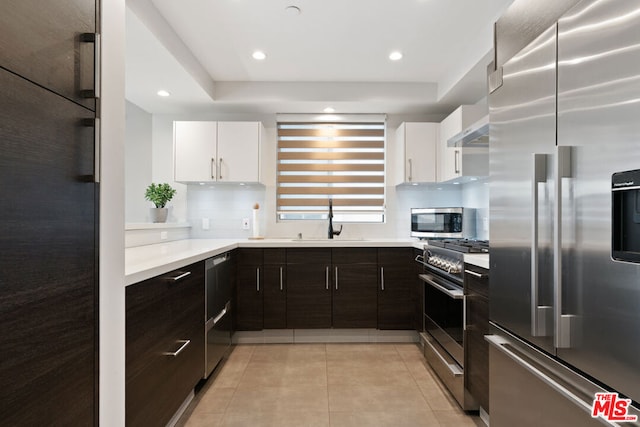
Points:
x=226 y=205
x=111 y=263
x=476 y=195
x=137 y=162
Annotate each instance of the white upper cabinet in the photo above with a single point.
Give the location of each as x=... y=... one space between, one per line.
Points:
x=194 y=145
x=416 y=152
x=455 y=162
x=239 y=151
x=217 y=151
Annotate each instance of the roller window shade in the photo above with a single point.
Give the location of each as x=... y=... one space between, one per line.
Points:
x=341 y=161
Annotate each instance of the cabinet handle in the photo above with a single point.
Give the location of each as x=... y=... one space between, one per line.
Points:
x=280 y=279
x=473 y=273
x=410 y=170
x=213 y=168
x=220 y=169
x=327 y=278
x=179 y=276
x=456 y=168
x=382 y=278
x=184 y=345
x=95 y=124
x=95 y=39
x=258 y=279
x=336 y=278
x=464 y=312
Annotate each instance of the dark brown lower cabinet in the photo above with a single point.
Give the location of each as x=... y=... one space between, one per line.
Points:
x=476 y=364
x=275 y=289
x=250 y=290
x=164 y=344
x=354 y=279
x=418 y=294
x=396 y=306
x=308 y=288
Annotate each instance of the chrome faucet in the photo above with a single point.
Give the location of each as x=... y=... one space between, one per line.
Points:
x=332 y=233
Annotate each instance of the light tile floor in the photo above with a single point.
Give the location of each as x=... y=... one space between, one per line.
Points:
x=325 y=385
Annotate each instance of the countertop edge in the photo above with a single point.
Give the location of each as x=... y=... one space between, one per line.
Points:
x=146 y=262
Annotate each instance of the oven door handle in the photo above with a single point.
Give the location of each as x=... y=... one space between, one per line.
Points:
x=452 y=293
x=420 y=259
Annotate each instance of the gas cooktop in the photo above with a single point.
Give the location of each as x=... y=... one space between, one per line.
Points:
x=461 y=245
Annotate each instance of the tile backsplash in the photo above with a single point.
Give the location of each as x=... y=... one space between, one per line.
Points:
x=225 y=206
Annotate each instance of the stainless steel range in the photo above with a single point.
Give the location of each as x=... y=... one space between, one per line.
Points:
x=444 y=308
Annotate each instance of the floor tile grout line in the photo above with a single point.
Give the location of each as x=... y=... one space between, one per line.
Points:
x=235 y=388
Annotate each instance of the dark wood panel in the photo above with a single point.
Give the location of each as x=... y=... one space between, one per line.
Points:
x=275 y=296
x=275 y=256
x=354 y=255
x=160 y=315
x=309 y=256
x=308 y=296
x=249 y=296
x=249 y=256
x=355 y=295
x=41 y=42
x=396 y=305
x=476 y=348
x=474 y=284
x=418 y=294
x=48 y=263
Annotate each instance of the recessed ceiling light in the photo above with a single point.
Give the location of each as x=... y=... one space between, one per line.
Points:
x=292 y=10
x=163 y=93
x=395 y=56
x=259 y=55
x=329 y=110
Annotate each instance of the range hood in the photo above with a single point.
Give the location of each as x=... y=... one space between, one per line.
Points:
x=476 y=135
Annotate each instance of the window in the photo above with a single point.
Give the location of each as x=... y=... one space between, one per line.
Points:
x=339 y=161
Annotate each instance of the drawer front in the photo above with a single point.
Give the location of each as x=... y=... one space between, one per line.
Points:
x=164 y=344
x=476 y=280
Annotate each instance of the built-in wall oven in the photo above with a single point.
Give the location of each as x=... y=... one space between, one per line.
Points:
x=444 y=312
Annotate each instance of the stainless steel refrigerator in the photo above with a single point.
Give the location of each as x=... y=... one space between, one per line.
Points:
x=564 y=160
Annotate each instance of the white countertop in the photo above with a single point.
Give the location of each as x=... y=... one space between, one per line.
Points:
x=145 y=262
x=481 y=260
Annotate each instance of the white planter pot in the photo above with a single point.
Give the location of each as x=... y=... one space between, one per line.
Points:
x=159 y=214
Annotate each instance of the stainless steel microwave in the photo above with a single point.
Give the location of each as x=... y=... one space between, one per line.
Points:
x=443 y=223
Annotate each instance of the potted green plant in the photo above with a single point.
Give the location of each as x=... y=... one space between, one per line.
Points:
x=159 y=195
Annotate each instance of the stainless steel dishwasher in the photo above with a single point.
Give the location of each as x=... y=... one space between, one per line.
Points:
x=218 y=324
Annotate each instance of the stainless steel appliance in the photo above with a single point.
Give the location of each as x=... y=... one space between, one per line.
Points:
x=565 y=317
x=444 y=312
x=218 y=322
x=443 y=223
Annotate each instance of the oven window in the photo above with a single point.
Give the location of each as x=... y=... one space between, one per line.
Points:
x=444 y=311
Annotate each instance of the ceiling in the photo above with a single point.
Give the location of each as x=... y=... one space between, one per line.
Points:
x=333 y=53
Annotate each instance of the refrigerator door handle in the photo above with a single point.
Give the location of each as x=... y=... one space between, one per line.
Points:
x=562 y=323
x=502 y=344
x=541 y=316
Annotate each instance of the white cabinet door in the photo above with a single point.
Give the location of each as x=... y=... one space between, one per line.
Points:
x=194 y=151
x=416 y=155
x=454 y=162
x=449 y=157
x=239 y=151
